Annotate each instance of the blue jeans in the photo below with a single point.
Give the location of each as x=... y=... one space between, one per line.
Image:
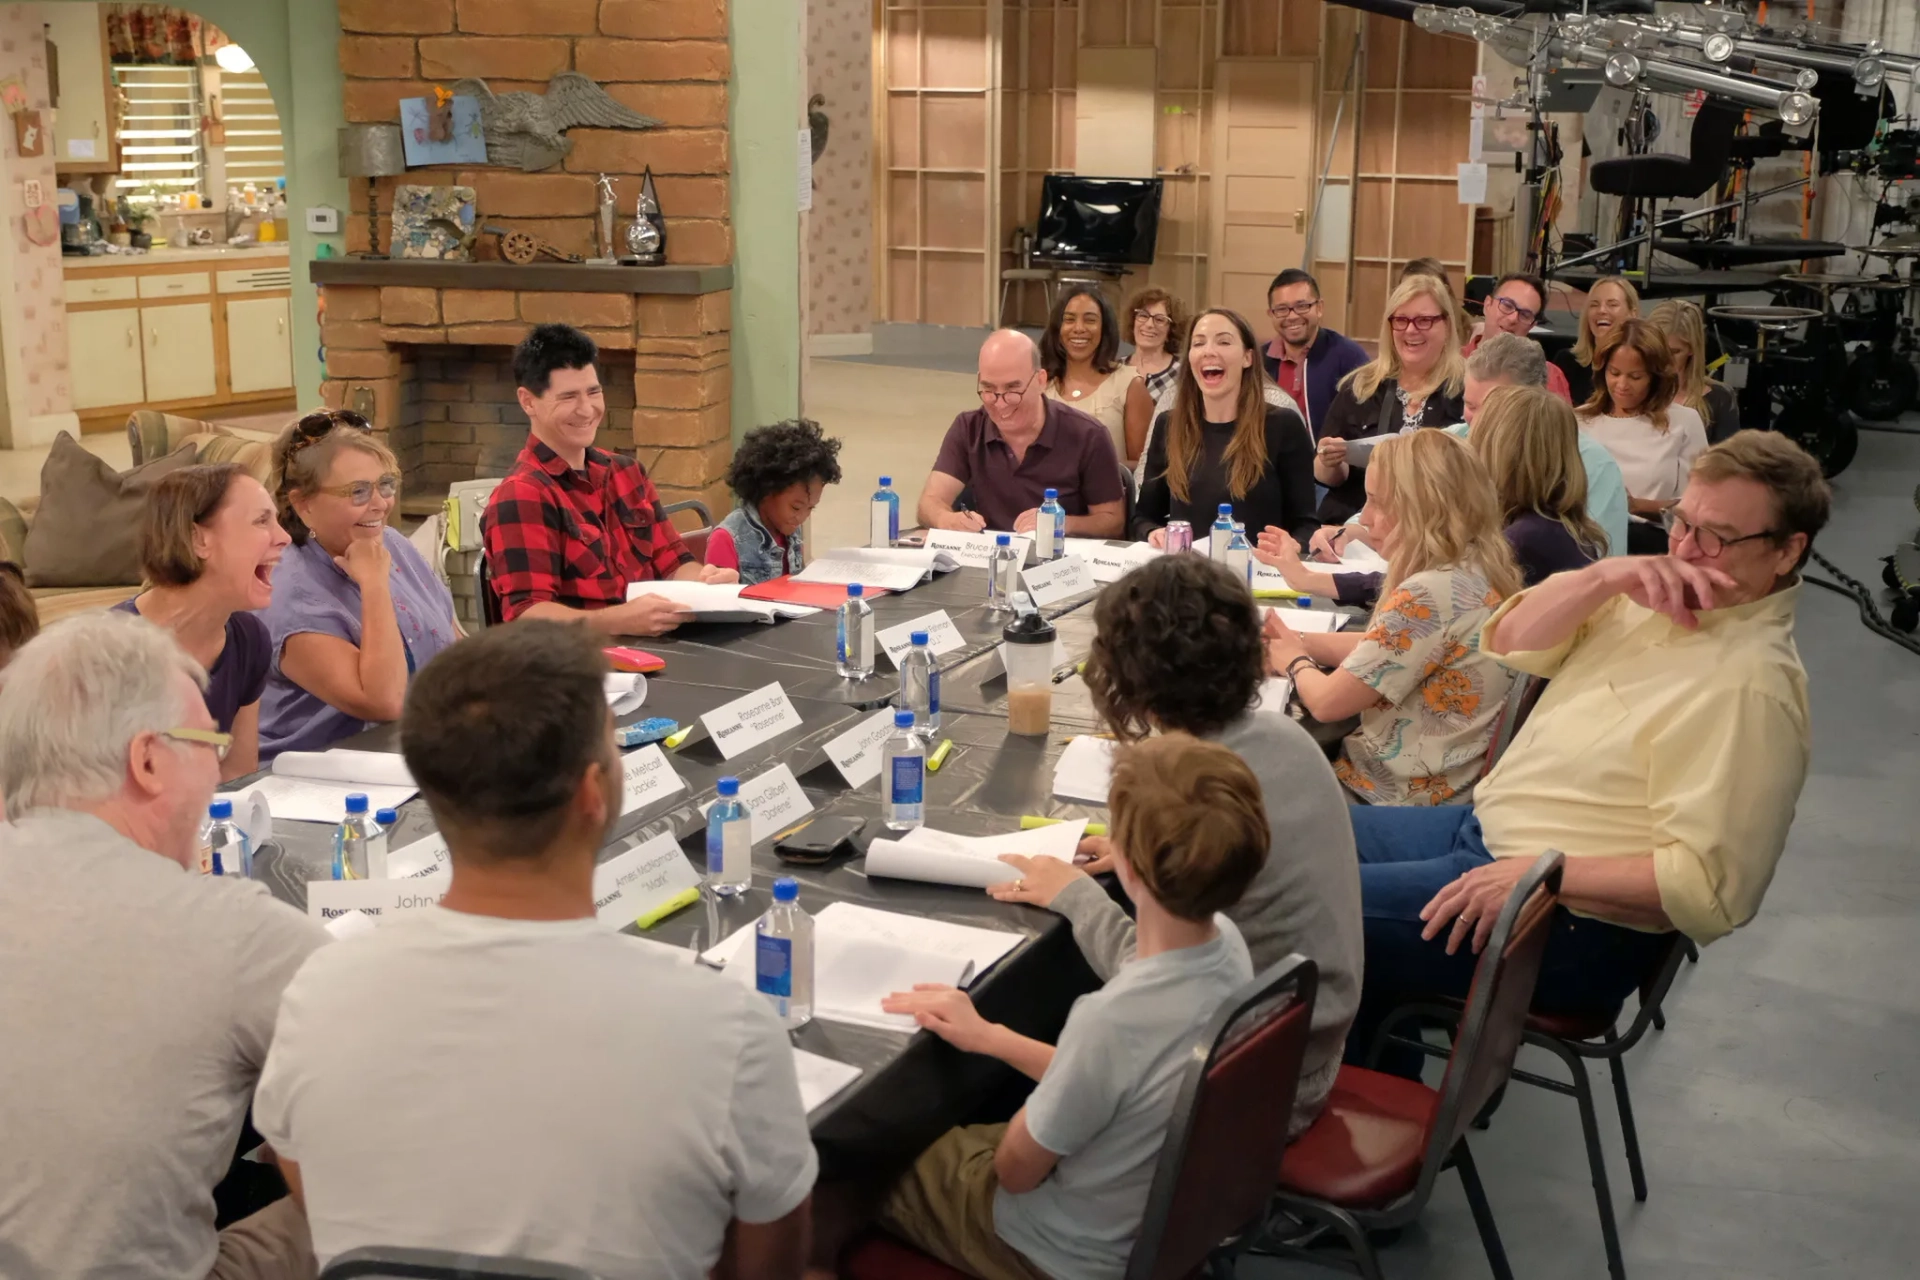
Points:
x=1407 y=855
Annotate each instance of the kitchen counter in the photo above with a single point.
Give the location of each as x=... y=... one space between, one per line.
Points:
x=274 y=254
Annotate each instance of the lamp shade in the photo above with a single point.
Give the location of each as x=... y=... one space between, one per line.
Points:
x=371 y=151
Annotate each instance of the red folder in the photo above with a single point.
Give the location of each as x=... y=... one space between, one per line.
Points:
x=623 y=658
x=821 y=595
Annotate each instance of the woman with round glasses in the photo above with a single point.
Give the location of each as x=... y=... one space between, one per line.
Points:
x=1080 y=352
x=1418 y=379
x=356 y=610
x=1159 y=327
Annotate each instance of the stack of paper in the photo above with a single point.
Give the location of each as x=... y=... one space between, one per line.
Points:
x=1357 y=557
x=940 y=857
x=1276 y=693
x=626 y=691
x=718 y=601
x=313 y=786
x=1085 y=770
x=821 y=1078
x=1319 y=621
x=895 y=568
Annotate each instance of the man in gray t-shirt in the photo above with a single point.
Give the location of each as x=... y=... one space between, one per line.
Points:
x=140 y=995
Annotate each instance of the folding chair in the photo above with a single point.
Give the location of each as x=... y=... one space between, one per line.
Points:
x=441 y=1264
x=1520 y=703
x=1215 y=1174
x=696 y=538
x=1370 y=1161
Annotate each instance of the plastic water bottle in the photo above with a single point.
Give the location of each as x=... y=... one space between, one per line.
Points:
x=1003 y=573
x=729 y=842
x=1222 y=535
x=350 y=840
x=1050 y=529
x=920 y=683
x=384 y=821
x=903 y=775
x=884 y=516
x=854 y=635
x=224 y=847
x=1240 y=554
x=783 y=955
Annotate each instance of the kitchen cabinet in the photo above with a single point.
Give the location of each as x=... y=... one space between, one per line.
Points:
x=83 y=127
x=259 y=353
x=179 y=351
x=103 y=357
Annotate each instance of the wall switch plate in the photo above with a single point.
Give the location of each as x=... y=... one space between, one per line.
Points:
x=33 y=195
x=323 y=219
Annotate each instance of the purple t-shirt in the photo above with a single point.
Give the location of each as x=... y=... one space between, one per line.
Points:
x=240 y=672
x=313 y=594
x=1073 y=454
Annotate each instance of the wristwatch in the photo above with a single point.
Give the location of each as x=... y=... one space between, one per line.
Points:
x=1295 y=665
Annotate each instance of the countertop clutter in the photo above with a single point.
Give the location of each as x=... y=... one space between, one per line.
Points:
x=108 y=263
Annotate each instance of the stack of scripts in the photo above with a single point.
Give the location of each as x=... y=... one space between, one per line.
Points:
x=940 y=857
x=1305 y=620
x=1085 y=770
x=719 y=601
x=313 y=786
x=895 y=568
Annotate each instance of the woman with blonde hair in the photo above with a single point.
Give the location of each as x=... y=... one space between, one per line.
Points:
x=1687 y=343
x=1431 y=268
x=1634 y=412
x=1611 y=300
x=1529 y=442
x=1223 y=444
x=1418 y=379
x=1427 y=698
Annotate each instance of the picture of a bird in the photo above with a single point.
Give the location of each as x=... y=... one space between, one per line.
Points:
x=817 y=124
x=528 y=130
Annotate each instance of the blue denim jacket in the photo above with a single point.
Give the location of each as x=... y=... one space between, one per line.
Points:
x=760 y=554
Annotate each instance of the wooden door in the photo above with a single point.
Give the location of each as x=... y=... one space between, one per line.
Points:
x=103 y=353
x=259 y=352
x=179 y=345
x=1263 y=172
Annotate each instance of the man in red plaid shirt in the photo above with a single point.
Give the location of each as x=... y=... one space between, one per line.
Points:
x=572 y=526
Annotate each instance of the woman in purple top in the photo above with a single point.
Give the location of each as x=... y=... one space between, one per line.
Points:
x=356 y=610
x=208 y=548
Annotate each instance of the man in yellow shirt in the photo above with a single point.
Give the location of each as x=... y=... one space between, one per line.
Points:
x=1664 y=758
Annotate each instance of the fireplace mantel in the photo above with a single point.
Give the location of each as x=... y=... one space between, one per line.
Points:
x=533 y=277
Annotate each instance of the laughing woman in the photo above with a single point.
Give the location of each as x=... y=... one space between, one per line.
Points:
x=1080 y=351
x=208 y=549
x=356 y=610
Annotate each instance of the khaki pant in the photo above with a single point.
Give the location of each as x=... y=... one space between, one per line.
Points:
x=273 y=1244
x=943 y=1206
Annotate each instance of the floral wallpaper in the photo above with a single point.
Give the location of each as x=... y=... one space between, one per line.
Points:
x=840 y=237
x=38 y=349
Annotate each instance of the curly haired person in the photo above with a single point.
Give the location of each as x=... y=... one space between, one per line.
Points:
x=778 y=474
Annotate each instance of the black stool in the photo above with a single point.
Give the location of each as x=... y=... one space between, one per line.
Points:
x=1655 y=178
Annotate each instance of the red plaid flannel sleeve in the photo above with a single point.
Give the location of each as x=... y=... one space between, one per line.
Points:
x=525 y=546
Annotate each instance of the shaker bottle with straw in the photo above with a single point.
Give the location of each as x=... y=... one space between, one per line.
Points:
x=1029 y=654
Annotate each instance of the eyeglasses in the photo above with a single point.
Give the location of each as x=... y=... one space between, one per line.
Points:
x=221 y=743
x=1419 y=324
x=1513 y=308
x=1710 y=543
x=1151 y=320
x=1296 y=309
x=1011 y=399
x=361 y=492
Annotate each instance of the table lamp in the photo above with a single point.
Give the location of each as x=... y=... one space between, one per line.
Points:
x=372 y=151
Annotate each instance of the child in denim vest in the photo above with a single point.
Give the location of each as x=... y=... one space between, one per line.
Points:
x=778 y=474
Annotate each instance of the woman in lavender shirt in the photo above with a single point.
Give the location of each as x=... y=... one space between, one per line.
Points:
x=356 y=610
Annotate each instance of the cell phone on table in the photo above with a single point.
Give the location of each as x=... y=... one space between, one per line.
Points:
x=817 y=840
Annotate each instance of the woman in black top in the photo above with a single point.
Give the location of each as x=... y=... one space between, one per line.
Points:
x=1687 y=341
x=1418 y=379
x=1222 y=442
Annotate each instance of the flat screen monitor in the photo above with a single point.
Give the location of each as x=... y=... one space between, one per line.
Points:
x=1098 y=221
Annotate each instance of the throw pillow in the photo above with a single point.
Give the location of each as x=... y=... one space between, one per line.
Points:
x=87 y=530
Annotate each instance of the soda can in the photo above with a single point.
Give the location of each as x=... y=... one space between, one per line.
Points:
x=1179 y=536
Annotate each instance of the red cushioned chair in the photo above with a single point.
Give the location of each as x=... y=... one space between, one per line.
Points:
x=441 y=1264
x=1215 y=1174
x=1369 y=1162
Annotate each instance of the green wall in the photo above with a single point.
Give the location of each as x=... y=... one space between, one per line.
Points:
x=765 y=123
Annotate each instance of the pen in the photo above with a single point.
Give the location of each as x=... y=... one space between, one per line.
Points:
x=1032 y=822
x=939 y=756
x=1067 y=673
x=966 y=974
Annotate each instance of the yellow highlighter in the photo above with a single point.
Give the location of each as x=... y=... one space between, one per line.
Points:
x=685 y=898
x=1032 y=822
x=674 y=740
x=939 y=756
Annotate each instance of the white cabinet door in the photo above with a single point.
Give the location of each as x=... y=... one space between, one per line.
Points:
x=259 y=349
x=179 y=345
x=103 y=357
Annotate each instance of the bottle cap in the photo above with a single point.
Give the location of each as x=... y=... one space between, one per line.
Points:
x=1050 y=494
x=1002 y=539
x=1028 y=628
x=220 y=809
x=729 y=786
x=916 y=637
x=903 y=719
x=386 y=817
x=786 y=889
x=356 y=803
x=886 y=481
x=1226 y=509
x=855 y=591
x=1304 y=602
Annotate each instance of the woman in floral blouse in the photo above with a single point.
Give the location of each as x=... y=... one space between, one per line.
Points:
x=1427 y=699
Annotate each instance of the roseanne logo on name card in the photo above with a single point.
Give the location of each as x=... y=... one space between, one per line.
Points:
x=1057 y=580
x=760 y=716
x=329 y=899
x=974 y=549
x=856 y=753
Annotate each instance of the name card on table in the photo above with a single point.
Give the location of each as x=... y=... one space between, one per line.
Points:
x=1110 y=563
x=942 y=636
x=1057 y=580
x=643 y=880
x=975 y=549
x=775 y=800
x=421 y=858
x=330 y=899
x=649 y=777
x=856 y=753
x=746 y=722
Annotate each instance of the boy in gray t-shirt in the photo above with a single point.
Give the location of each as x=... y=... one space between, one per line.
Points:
x=1060 y=1190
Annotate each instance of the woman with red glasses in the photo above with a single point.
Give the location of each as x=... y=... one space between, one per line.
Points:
x=1417 y=379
